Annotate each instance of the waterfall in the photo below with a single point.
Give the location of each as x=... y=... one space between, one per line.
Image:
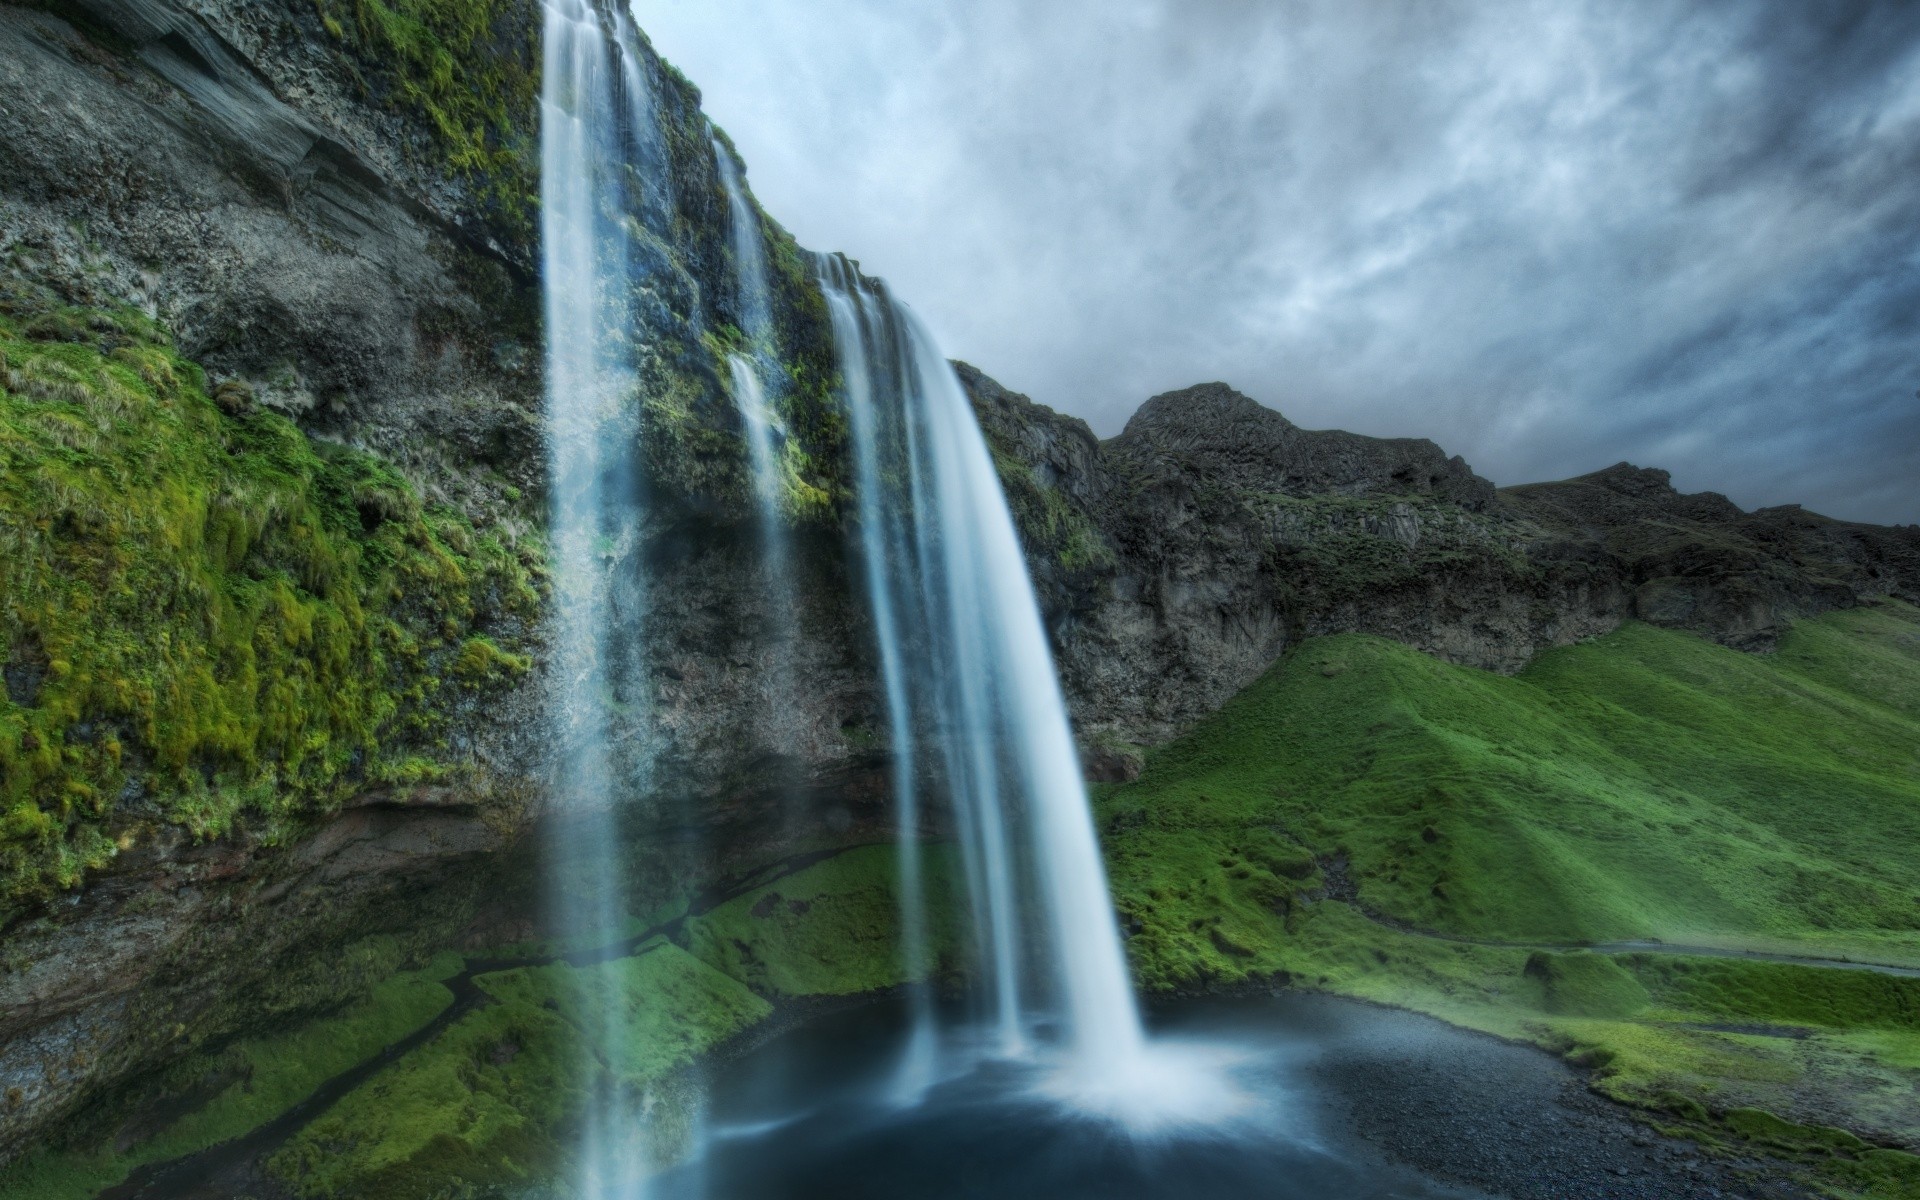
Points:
x=753 y=306
x=750 y=370
x=596 y=117
x=975 y=705
x=979 y=725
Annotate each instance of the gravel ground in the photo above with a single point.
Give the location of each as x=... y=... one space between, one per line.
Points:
x=1507 y=1120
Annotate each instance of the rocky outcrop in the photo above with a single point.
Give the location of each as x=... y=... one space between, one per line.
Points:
x=1178 y=560
x=1238 y=443
x=1699 y=563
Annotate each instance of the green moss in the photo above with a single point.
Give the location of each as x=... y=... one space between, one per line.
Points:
x=206 y=615
x=477 y=1105
x=670 y=1006
x=811 y=403
x=481 y=661
x=241 y=1087
x=832 y=930
x=490 y=1101
x=469 y=69
x=1048 y=522
x=1586 y=985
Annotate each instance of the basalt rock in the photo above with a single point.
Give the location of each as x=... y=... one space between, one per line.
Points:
x=1179 y=559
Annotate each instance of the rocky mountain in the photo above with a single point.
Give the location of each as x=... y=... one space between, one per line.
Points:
x=272 y=447
x=1181 y=558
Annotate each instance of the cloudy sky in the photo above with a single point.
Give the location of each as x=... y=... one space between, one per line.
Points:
x=1548 y=234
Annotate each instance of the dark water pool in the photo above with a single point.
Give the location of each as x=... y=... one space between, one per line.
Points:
x=816 y=1114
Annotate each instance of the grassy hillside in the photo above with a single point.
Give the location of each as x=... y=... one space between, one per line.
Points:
x=1372 y=821
x=1646 y=785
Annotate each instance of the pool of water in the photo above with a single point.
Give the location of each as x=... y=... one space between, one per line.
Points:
x=819 y=1113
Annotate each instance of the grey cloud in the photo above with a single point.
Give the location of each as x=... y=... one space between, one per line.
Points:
x=1549 y=234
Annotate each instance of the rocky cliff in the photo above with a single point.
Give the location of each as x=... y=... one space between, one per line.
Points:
x=1180 y=559
x=272 y=515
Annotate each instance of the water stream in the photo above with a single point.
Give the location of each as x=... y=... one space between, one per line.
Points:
x=977 y=714
x=595 y=111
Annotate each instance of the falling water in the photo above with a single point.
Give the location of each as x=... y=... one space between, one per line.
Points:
x=750 y=371
x=753 y=305
x=965 y=658
x=596 y=117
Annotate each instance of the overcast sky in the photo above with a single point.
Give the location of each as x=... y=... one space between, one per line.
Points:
x=1548 y=234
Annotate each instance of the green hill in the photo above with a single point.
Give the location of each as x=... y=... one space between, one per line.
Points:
x=1648 y=784
x=1372 y=821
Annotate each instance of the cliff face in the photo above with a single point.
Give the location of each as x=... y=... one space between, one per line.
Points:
x=1179 y=559
x=273 y=514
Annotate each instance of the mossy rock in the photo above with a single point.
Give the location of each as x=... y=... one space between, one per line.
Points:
x=1759 y=1125
x=205 y=615
x=1586 y=985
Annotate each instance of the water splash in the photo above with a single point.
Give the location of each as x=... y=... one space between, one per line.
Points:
x=976 y=706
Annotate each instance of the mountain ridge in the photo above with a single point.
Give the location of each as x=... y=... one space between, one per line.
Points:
x=1179 y=558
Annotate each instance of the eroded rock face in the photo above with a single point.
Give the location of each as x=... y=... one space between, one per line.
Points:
x=1221 y=534
x=1697 y=562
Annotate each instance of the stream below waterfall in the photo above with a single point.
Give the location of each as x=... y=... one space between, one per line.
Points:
x=1337 y=1100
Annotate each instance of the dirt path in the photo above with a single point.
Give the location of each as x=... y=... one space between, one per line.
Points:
x=1679 y=949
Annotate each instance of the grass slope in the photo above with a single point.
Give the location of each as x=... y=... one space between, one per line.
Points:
x=1374 y=822
x=1646 y=785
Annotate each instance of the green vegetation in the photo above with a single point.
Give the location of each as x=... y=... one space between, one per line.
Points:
x=1047 y=521
x=1647 y=785
x=490 y=1102
x=470 y=69
x=1371 y=821
x=830 y=931
x=1344 y=548
x=205 y=614
x=1585 y=985
x=241 y=1087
